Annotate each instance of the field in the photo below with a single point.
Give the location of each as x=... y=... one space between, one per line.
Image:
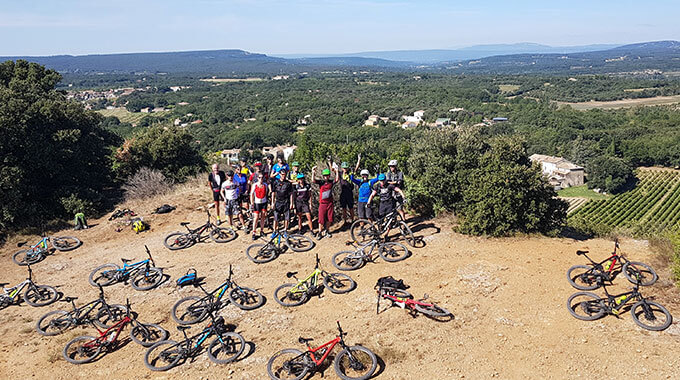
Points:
x=124 y=115
x=508 y=87
x=231 y=80
x=625 y=103
x=653 y=205
x=580 y=192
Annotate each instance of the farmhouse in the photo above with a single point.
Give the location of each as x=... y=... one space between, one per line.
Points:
x=442 y=121
x=285 y=151
x=560 y=172
x=231 y=154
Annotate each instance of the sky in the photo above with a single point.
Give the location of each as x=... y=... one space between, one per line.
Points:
x=50 y=27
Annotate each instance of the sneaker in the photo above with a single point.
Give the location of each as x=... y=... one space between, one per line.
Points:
x=255 y=237
x=329 y=235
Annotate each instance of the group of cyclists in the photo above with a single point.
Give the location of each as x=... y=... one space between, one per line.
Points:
x=284 y=188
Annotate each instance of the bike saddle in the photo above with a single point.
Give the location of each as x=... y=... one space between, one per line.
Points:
x=125 y=260
x=184 y=224
x=291 y=274
x=183 y=328
x=4 y=283
x=68 y=299
x=581 y=252
x=304 y=340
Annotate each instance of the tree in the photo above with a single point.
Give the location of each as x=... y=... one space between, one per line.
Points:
x=610 y=174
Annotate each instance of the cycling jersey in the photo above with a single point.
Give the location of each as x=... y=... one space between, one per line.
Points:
x=325 y=190
x=364 y=187
x=231 y=190
x=260 y=193
x=283 y=190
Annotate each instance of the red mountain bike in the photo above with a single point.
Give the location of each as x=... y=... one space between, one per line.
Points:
x=352 y=363
x=404 y=299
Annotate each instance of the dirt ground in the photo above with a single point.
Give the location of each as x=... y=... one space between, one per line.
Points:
x=508 y=297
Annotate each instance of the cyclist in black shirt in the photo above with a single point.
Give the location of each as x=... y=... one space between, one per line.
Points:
x=282 y=200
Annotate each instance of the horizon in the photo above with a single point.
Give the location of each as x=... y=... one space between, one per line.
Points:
x=331 y=27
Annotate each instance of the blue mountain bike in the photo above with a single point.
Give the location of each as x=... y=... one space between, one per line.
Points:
x=143 y=275
x=41 y=249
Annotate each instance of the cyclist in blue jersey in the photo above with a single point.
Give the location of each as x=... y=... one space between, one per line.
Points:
x=365 y=188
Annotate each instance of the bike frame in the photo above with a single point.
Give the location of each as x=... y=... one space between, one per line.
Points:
x=328 y=346
x=632 y=294
x=312 y=279
x=14 y=291
x=130 y=268
x=102 y=339
x=403 y=301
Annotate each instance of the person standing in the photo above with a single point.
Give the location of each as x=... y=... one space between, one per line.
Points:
x=303 y=203
x=326 y=207
x=278 y=166
x=364 y=210
x=215 y=179
x=396 y=178
x=230 y=193
x=294 y=171
x=346 y=195
x=282 y=195
x=258 y=198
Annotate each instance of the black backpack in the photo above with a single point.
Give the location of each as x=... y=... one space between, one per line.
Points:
x=166 y=208
x=390 y=282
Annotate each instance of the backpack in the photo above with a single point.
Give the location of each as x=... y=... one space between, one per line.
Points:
x=390 y=282
x=166 y=208
x=138 y=225
x=188 y=279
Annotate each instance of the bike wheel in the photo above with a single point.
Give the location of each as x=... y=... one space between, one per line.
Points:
x=190 y=310
x=163 y=355
x=222 y=235
x=146 y=279
x=347 y=260
x=363 y=230
x=66 y=243
x=355 y=363
x=108 y=317
x=177 y=240
x=246 y=298
x=226 y=348
x=104 y=275
x=338 y=283
x=299 y=243
x=586 y=306
x=287 y=364
x=53 y=323
x=261 y=253
x=148 y=334
x=584 y=277
x=393 y=252
x=24 y=257
x=635 y=271
x=651 y=316
x=432 y=310
x=41 y=295
x=406 y=233
x=285 y=295
x=82 y=349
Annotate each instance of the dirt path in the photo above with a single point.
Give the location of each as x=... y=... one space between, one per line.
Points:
x=508 y=297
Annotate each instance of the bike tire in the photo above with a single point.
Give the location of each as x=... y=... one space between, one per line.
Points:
x=363 y=234
x=103 y=275
x=246 y=298
x=633 y=269
x=196 y=310
x=393 y=252
x=22 y=259
x=432 y=310
x=148 y=334
x=593 y=307
x=176 y=241
x=300 y=368
x=53 y=323
x=75 y=347
x=66 y=243
x=343 y=262
x=407 y=233
x=288 y=300
x=261 y=253
x=660 y=310
x=580 y=279
x=299 y=243
x=42 y=295
x=339 y=283
x=147 y=279
x=231 y=346
x=344 y=363
x=169 y=352
x=222 y=235
x=104 y=319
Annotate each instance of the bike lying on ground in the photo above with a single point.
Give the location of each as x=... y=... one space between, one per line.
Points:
x=590 y=277
x=351 y=260
x=647 y=314
x=181 y=240
x=297 y=294
x=98 y=312
x=352 y=363
x=193 y=309
x=398 y=296
x=41 y=249
x=278 y=243
x=144 y=275
x=35 y=295
x=225 y=348
x=85 y=349
x=364 y=230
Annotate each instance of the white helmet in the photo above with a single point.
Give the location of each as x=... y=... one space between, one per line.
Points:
x=365 y=172
x=392 y=163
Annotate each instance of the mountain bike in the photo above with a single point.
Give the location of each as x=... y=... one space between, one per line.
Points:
x=351 y=260
x=647 y=314
x=365 y=230
x=278 y=243
x=99 y=312
x=181 y=240
x=85 y=349
x=404 y=299
x=590 y=277
x=193 y=309
x=143 y=274
x=225 y=348
x=352 y=363
x=35 y=295
x=40 y=250
x=297 y=294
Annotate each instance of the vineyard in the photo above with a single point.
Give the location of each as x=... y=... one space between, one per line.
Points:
x=652 y=206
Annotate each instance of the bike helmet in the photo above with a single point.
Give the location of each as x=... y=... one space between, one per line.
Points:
x=344 y=165
x=392 y=163
x=326 y=172
x=257 y=164
x=381 y=177
x=295 y=163
x=365 y=172
x=300 y=176
x=187 y=279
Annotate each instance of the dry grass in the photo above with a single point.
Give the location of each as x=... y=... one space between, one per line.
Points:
x=231 y=80
x=146 y=183
x=127 y=117
x=508 y=87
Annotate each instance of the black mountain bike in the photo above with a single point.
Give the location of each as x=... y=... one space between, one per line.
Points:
x=364 y=230
x=278 y=243
x=647 y=314
x=98 y=312
x=180 y=240
x=351 y=260
x=143 y=274
x=193 y=309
